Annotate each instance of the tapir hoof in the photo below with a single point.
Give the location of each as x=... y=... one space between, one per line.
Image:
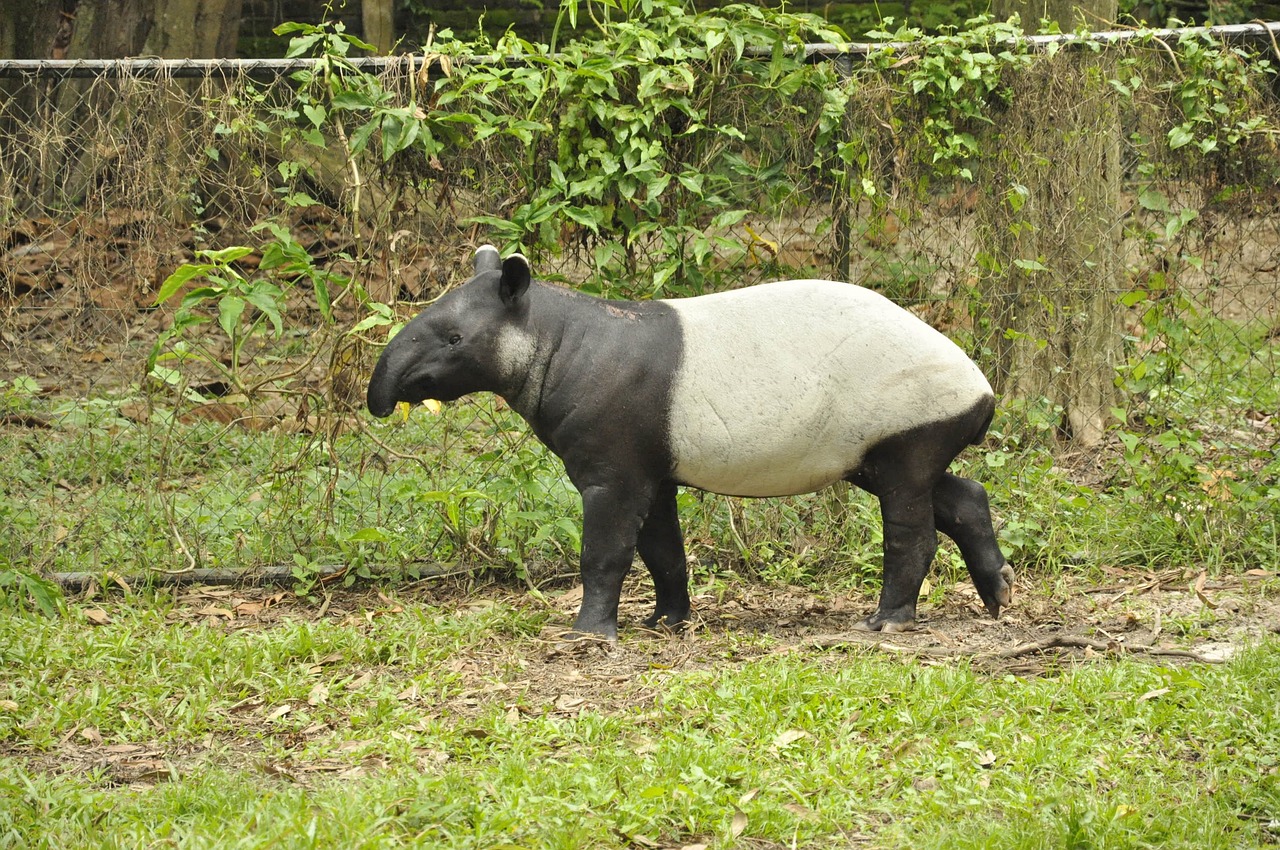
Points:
x=1002 y=594
x=885 y=625
x=587 y=630
x=577 y=637
x=664 y=621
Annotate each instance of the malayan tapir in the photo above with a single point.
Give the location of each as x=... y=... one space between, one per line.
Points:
x=771 y=390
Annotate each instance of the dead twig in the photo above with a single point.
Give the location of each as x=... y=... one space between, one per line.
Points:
x=878 y=641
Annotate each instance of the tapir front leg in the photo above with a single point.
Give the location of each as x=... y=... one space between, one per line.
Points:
x=611 y=519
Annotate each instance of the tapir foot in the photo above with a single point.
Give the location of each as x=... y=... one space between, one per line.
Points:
x=888 y=624
x=575 y=641
x=672 y=621
x=1000 y=592
x=591 y=631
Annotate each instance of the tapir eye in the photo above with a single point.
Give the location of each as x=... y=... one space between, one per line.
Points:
x=455 y=339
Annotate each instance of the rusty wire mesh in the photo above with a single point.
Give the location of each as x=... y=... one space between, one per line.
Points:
x=1130 y=324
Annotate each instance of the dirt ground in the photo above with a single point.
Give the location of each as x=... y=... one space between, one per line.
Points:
x=1170 y=618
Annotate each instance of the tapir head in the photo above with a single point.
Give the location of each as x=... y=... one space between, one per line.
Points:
x=466 y=342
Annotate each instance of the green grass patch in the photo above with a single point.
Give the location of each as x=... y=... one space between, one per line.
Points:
x=453 y=727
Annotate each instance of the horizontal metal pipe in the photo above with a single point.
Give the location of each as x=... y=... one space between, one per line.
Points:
x=1266 y=32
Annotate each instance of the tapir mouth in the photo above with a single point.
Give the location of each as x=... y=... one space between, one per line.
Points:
x=393 y=383
x=414 y=390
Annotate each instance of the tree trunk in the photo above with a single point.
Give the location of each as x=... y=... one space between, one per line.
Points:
x=170 y=29
x=379 y=24
x=29 y=29
x=1049 y=221
x=111 y=29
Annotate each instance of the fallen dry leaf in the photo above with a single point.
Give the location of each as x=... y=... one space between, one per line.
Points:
x=278 y=712
x=1198 y=587
x=215 y=611
x=8 y=705
x=788 y=737
x=96 y=616
x=1158 y=692
x=319 y=694
x=738 y=824
x=802 y=811
x=570 y=599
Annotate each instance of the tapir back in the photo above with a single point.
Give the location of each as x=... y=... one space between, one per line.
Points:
x=783 y=387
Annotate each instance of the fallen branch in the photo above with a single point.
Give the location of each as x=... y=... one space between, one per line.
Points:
x=878 y=640
x=1061 y=641
x=261 y=577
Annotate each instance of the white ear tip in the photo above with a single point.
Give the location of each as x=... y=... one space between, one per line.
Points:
x=518 y=256
x=487 y=258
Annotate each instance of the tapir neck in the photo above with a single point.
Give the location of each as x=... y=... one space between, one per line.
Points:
x=579 y=362
x=528 y=348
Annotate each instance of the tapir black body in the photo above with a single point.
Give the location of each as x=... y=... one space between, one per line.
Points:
x=773 y=390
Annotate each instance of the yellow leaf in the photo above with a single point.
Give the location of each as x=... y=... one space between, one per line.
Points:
x=433 y=407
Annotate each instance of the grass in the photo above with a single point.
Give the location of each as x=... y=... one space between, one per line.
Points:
x=370 y=730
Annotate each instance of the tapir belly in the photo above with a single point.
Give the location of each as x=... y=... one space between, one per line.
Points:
x=782 y=388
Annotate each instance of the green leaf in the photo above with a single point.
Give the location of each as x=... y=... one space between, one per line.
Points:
x=1133 y=298
x=265 y=301
x=315 y=112
x=1150 y=199
x=45 y=594
x=371 y=321
x=369 y=535
x=360 y=138
x=230 y=309
x=1180 y=136
x=728 y=219
x=320 y=284
x=691 y=180
x=226 y=256
x=183 y=274
x=353 y=100
x=1031 y=265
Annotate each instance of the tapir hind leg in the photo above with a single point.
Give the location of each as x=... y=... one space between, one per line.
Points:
x=908 y=473
x=961 y=511
x=661 y=547
x=910 y=542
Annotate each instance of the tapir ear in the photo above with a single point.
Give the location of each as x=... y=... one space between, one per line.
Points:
x=487 y=259
x=515 y=278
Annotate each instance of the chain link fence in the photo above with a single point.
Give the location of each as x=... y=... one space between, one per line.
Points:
x=1104 y=238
